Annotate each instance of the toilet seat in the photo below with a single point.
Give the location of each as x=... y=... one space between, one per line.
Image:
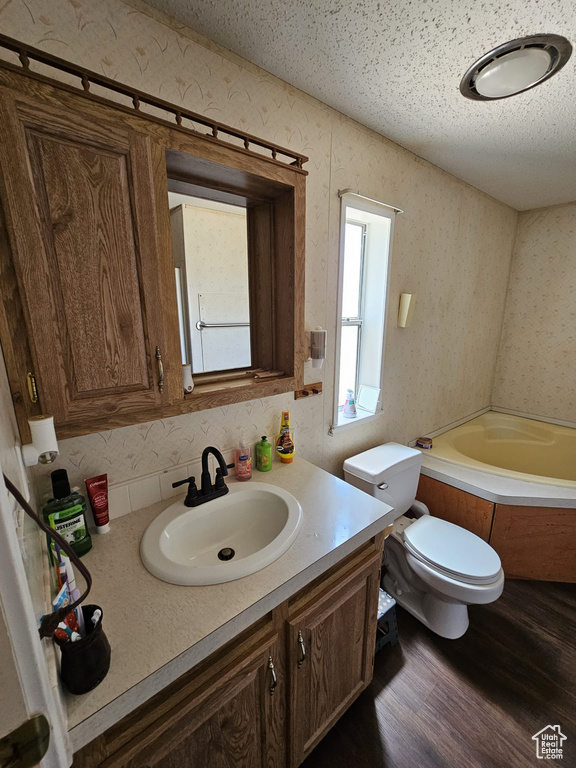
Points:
x=452 y=550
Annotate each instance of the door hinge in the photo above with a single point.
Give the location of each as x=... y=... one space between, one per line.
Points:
x=32 y=388
x=27 y=745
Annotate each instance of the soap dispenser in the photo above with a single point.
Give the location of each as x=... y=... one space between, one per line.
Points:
x=243 y=461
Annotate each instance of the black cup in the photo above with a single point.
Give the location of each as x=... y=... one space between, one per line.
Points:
x=86 y=662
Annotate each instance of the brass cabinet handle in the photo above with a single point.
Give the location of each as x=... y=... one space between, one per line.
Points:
x=274 y=678
x=160 y=370
x=302 y=659
x=32 y=389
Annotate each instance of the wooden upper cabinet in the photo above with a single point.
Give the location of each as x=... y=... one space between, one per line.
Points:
x=88 y=288
x=80 y=209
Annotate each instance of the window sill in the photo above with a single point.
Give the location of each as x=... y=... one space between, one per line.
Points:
x=361 y=418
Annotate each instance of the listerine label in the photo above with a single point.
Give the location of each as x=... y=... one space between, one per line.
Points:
x=69 y=523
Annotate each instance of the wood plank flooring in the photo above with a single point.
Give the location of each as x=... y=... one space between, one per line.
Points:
x=469 y=703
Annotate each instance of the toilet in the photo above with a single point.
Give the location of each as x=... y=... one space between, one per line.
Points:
x=434 y=569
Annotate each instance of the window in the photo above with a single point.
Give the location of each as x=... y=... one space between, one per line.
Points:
x=366 y=233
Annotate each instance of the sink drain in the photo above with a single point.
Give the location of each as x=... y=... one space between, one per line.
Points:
x=226 y=554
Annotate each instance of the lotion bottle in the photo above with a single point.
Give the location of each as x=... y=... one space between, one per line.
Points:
x=243 y=461
x=350 y=405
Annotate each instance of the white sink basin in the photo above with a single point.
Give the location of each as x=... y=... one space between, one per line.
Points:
x=257 y=523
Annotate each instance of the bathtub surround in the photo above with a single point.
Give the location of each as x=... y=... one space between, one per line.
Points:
x=452 y=246
x=536 y=368
x=487 y=476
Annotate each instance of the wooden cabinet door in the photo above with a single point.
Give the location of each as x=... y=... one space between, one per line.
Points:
x=80 y=202
x=330 y=657
x=237 y=721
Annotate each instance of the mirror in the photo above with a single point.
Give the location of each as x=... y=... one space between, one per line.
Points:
x=257 y=303
x=210 y=248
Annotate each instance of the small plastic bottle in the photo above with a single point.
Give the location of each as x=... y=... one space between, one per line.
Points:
x=264 y=455
x=243 y=461
x=285 y=442
x=350 y=405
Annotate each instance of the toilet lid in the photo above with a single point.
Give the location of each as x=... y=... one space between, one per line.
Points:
x=452 y=549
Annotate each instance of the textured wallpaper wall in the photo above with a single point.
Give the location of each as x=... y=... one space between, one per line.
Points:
x=536 y=372
x=452 y=247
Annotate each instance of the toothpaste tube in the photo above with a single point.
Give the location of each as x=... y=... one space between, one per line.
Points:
x=74 y=591
x=63 y=634
x=97 y=488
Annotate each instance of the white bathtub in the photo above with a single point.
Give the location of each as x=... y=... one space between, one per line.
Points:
x=513 y=447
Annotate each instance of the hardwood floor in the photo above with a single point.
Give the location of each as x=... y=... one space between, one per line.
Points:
x=469 y=703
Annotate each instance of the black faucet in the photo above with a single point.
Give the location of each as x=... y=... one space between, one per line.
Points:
x=207 y=490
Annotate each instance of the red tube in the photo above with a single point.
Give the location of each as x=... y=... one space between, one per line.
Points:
x=97 y=488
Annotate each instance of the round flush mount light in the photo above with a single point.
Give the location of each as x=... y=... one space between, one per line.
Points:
x=515 y=67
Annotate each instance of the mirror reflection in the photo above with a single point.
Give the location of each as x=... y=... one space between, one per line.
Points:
x=210 y=247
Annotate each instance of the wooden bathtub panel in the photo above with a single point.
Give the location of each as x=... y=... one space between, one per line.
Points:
x=456 y=506
x=536 y=542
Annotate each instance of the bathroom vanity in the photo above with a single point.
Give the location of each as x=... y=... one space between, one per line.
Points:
x=254 y=671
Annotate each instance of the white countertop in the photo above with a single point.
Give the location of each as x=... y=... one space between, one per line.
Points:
x=159 y=631
x=497 y=488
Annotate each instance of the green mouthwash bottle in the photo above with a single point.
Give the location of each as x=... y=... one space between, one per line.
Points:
x=66 y=514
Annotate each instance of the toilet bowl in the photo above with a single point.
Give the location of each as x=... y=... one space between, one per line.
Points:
x=434 y=569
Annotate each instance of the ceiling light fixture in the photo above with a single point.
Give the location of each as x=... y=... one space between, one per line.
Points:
x=515 y=67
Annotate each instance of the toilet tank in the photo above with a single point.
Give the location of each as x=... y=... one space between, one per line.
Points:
x=396 y=465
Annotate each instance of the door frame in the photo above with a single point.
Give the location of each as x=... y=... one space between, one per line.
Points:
x=27 y=651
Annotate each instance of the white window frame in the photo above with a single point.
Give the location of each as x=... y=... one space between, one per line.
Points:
x=359 y=320
x=351 y=202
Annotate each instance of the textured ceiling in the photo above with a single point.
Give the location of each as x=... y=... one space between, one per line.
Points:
x=396 y=68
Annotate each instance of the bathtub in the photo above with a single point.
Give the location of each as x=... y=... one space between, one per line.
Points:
x=511 y=446
x=511 y=481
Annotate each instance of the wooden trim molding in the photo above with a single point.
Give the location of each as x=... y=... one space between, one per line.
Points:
x=181 y=118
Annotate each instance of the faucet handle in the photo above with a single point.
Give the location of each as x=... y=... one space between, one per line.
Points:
x=192 y=493
x=219 y=482
x=182 y=482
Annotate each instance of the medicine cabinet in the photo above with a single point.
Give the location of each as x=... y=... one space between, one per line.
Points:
x=89 y=320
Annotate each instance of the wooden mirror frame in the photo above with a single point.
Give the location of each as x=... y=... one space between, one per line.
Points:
x=270 y=209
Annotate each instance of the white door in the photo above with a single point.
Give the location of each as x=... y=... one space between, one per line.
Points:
x=26 y=686
x=225 y=335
